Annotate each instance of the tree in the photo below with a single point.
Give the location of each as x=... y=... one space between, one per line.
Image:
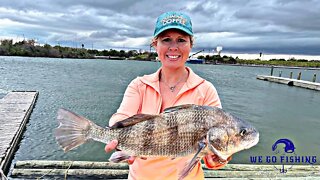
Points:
x=122 y=53
x=6 y=42
x=113 y=52
x=201 y=57
x=93 y=51
x=31 y=42
x=105 y=53
x=7 y=46
x=132 y=53
x=47 y=46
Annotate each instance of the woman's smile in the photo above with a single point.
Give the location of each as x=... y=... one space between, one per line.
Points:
x=173 y=57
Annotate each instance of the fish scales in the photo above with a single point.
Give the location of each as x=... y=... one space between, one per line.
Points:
x=171 y=134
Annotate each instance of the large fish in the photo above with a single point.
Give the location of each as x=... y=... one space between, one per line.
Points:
x=178 y=131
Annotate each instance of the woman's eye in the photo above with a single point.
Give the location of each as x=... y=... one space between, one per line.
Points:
x=181 y=40
x=166 y=40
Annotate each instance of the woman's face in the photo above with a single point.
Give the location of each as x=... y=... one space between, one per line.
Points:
x=173 y=48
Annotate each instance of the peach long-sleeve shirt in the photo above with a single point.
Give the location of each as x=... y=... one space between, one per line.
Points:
x=142 y=96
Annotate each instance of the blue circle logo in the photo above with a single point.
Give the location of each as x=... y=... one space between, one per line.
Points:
x=288 y=146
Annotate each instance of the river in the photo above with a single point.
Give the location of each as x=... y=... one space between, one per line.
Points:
x=94 y=89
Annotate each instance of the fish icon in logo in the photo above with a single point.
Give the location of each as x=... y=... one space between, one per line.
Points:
x=288 y=148
x=288 y=145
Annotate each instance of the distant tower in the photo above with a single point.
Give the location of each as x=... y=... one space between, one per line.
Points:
x=219 y=49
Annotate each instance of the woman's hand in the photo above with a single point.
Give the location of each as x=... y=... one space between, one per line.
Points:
x=113 y=145
x=213 y=161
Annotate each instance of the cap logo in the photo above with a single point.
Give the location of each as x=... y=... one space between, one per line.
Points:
x=172 y=19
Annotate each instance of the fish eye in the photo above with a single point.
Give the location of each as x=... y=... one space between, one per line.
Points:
x=242 y=132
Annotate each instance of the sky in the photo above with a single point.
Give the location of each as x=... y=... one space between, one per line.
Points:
x=239 y=26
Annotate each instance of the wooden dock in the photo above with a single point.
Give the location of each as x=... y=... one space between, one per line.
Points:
x=15 y=109
x=291 y=82
x=36 y=169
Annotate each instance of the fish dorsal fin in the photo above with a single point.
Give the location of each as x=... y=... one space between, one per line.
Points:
x=133 y=120
x=176 y=108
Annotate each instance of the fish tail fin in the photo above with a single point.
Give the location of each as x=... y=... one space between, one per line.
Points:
x=72 y=130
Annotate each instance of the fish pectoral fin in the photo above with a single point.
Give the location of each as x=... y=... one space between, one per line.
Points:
x=176 y=108
x=192 y=163
x=188 y=168
x=133 y=120
x=119 y=156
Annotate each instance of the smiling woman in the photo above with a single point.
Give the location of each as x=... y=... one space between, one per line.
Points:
x=172 y=85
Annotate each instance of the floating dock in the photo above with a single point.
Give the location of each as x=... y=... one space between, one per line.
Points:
x=291 y=82
x=15 y=109
x=37 y=169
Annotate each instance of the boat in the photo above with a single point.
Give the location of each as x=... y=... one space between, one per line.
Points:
x=195 y=61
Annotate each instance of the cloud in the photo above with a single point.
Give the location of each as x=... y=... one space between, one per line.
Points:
x=275 y=26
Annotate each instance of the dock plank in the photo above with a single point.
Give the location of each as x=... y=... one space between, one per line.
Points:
x=15 y=109
x=105 y=170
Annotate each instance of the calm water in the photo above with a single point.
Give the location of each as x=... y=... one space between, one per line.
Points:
x=94 y=88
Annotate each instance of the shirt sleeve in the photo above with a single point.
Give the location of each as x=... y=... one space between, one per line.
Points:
x=130 y=103
x=211 y=97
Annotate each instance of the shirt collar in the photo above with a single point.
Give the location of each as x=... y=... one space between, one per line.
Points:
x=153 y=80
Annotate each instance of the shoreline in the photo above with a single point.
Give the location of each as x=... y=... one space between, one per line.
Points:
x=270 y=66
x=226 y=64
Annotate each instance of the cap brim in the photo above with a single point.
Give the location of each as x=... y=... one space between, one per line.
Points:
x=174 y=27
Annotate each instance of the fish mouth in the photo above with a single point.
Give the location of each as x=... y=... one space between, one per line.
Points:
x=254 y=142
x=254 y=139
x=218 y=153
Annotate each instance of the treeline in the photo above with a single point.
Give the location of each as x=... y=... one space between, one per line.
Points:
x=282 y=62
x=29 y=48
x=131 y=54
x=217 y=59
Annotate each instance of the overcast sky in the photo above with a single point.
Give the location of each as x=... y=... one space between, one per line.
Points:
x=246 y=26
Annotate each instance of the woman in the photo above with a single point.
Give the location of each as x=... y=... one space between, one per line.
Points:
x=173 y=84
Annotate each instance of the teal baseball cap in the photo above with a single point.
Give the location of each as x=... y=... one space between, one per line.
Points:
x=173 y=20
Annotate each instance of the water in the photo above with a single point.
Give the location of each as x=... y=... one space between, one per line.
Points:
x=94 y=89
